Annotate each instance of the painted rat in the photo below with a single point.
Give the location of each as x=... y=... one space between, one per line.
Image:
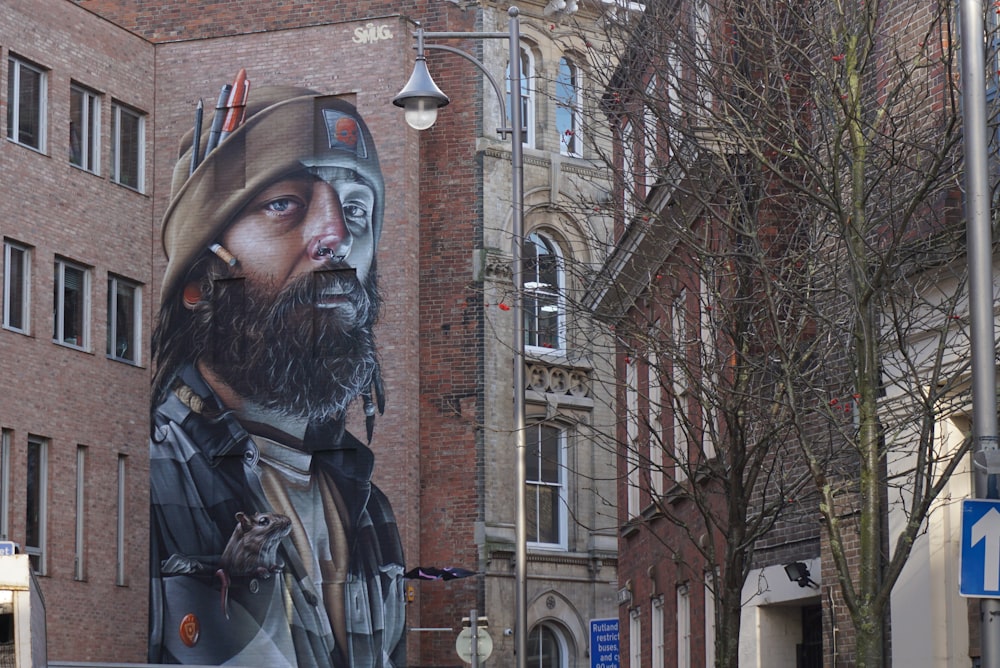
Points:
x=252 y=549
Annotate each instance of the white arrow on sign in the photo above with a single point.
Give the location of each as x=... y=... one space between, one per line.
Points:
x=988 y=528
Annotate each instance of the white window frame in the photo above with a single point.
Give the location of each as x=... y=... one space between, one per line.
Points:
x=709 y=365
x=657 y=634
x=16 y=66
x=38 y=552
x=630 y=203
x=650 y=139
x=570 y=138
x=135 y=342
x=534 y=481
x=527 y=95
x=88 y=133
x=635 y=638
x=673 y=91
x=534 y=653
x=632 y=438
x=6 y=439
x=80 y=529
x=681 y=387
x=683 y=627
x=710 y=583
x=117 y=111
x=656 y=433
x=10 y=286
x=59 y=324
x=122 y=498
x=546 y=292
x=701 y=17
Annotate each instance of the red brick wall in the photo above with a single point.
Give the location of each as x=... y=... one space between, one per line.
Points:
x=67 y=396
x=196 y=19
x=838 y=631
x=451 y=341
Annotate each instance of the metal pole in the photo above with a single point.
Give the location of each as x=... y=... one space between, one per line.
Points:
x=474 y=626
x=517 y=238
x=980 y=258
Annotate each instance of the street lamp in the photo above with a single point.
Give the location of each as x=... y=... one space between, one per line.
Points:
x=421 y=98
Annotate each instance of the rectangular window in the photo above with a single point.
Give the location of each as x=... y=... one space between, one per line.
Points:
x=632 y=437
x=710 y=580
x=650 y=139
x=120 y=525
x=702 y=18
x=79 y=570
x=630 y=197
x=6 y=438
x=527 y=97
x=26 y=107
x=124 y=318
x=683 y=627
x=655 y=426
x=36 y=502
x=129 y=150
x=710 y=365
x=84 y=128
x=634 y=638
x=71 y=305
x=656 y=632
x=675 y=111
x=544 y=307
x=568 y=108
x=680 y=385
x=16 y=286
x=545 y=494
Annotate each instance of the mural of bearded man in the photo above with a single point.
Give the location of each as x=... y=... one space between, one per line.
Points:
x=269 y=543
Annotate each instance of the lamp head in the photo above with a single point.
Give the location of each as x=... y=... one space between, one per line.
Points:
x=420 y=97
x=799 y=572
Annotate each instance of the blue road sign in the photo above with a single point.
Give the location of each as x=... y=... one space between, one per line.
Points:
x=979 y=574
x=604 y=649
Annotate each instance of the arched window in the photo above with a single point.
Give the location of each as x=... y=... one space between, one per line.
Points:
x=568 y=108
x=527 y=96
x=546 y=648
x=543 y=293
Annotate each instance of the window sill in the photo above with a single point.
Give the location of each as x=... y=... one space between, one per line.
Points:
x=71 y=346
x=137 y=191
x=39 y=151
x=80 y=168
x=124 y=361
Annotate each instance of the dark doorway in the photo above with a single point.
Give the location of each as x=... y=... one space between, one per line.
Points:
x=810 y=651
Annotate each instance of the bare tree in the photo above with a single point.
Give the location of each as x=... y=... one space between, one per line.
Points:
x=785 y=280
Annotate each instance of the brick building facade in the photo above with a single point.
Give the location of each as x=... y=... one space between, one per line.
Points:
x=440 y=447
x=727 y=134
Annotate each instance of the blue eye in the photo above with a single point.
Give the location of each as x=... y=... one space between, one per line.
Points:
x=280 y=205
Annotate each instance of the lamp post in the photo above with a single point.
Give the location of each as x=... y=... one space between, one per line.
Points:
x=421 y=98
x=986 y=453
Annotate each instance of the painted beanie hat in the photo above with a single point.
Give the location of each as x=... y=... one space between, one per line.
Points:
x=286 y=130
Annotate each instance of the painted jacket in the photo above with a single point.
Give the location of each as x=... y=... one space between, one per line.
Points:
x=203 y=470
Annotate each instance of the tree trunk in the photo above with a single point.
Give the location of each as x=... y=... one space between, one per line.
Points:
x=869 y=638
x=727 y=638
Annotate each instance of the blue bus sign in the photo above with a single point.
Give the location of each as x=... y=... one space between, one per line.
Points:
x=604 y=645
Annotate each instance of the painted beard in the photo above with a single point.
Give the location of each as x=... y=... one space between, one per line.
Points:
x=305 y=351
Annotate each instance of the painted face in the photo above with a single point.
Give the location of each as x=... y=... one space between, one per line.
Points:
x=312 y=220
x=346 y=131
